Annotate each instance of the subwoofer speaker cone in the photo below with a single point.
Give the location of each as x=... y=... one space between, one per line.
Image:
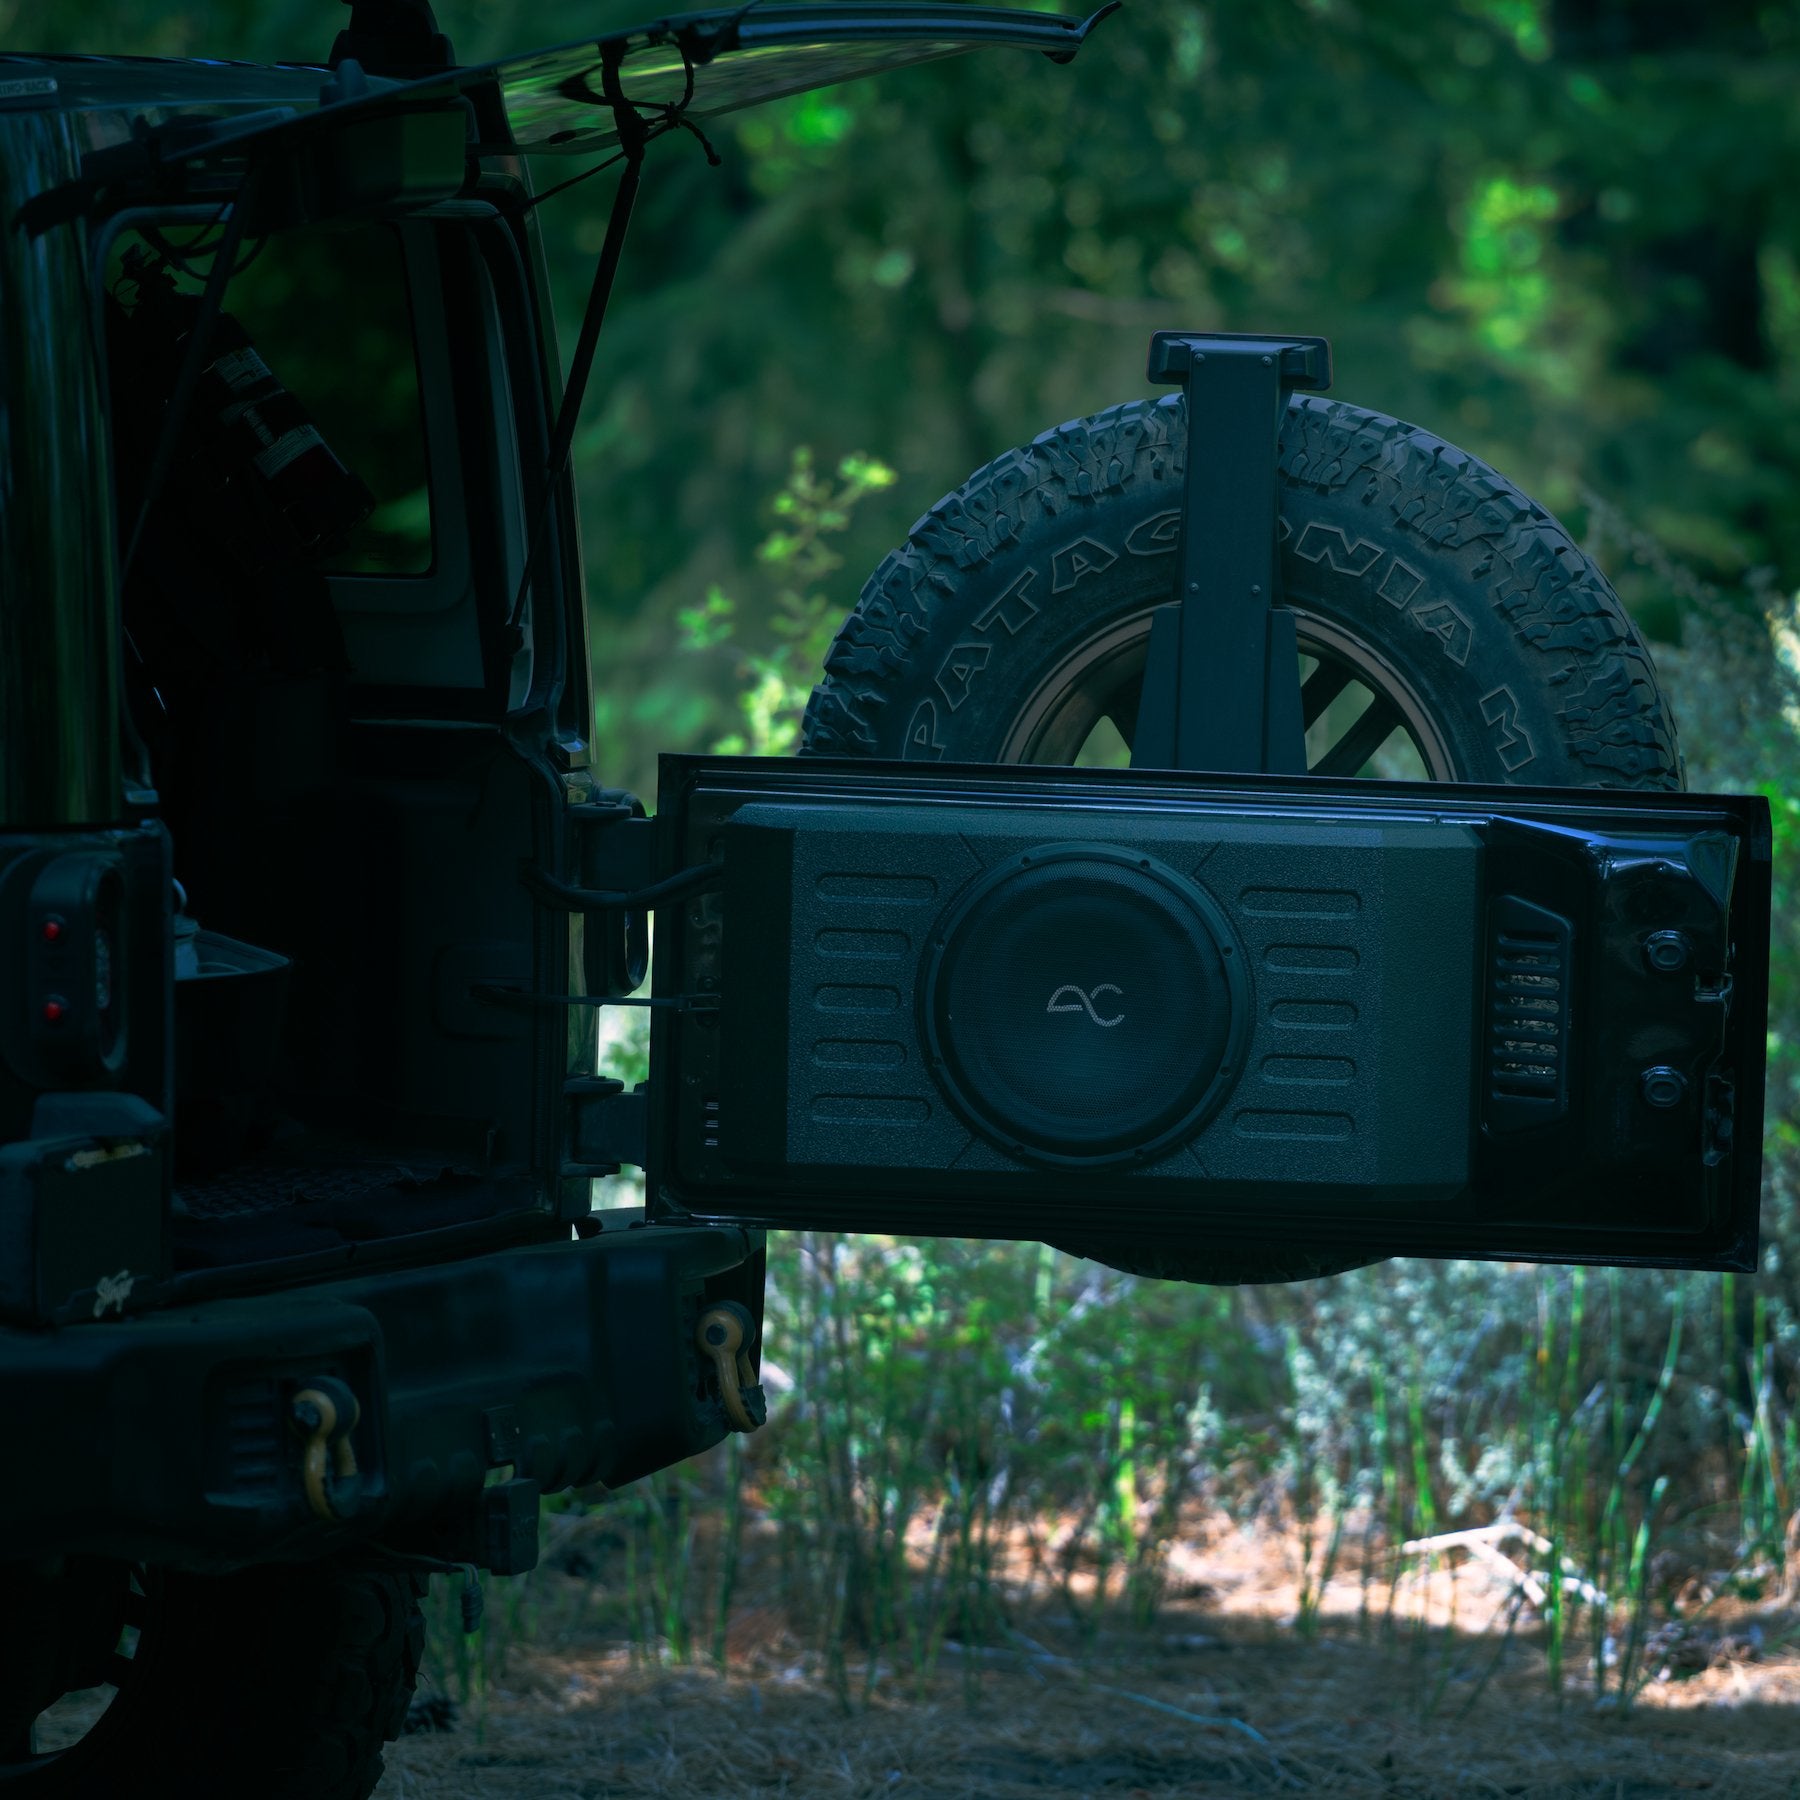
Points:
x=1085 y=1004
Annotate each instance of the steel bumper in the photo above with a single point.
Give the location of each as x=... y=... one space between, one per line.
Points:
x=169 y=1437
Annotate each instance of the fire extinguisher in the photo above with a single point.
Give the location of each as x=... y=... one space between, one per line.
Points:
x=243 y=420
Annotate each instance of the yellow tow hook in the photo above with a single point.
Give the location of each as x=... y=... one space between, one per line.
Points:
x=725 y=1334
x=325 y=1414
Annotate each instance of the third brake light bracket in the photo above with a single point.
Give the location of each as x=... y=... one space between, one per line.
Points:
x=1221 y=684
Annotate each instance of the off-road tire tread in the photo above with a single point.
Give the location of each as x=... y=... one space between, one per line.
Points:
x=360 y=1691
x=1616 y=729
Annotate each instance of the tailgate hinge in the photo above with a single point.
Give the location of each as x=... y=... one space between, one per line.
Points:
x=608 y=1126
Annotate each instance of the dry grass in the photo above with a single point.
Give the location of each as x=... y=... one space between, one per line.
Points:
x=1396 y=1702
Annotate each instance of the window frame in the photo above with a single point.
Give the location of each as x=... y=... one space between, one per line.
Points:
x=475 y=380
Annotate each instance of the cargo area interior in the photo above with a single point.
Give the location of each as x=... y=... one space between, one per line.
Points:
x=322 y=650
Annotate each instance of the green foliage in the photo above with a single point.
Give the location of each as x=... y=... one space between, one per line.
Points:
x=774 y=683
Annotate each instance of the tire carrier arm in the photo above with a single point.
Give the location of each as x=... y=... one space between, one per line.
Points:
x=1221 y=688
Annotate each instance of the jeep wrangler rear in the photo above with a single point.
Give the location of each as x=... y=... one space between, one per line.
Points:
x=310 y=898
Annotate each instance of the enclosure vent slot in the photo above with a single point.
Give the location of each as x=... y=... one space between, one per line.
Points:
x=1528 y=1009
x=253 y=1438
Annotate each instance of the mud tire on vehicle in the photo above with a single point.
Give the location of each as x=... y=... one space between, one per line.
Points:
x=283 y=1683
x=1505 y=650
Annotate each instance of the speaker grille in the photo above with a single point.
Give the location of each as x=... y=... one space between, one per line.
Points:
x=1084 y=1003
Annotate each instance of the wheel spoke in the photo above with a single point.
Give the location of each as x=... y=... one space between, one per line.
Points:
x=1322 y=687
x=1348 y=755
x=1091 y=718
x=1122 y=709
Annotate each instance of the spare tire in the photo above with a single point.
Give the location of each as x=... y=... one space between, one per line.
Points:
x=1449 y=630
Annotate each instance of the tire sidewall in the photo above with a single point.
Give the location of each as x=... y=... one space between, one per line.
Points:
x=1044 y=574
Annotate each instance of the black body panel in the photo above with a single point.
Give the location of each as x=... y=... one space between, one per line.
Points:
x=570 y=1363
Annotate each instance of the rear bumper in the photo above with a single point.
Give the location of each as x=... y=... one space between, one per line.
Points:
x=164 y=1437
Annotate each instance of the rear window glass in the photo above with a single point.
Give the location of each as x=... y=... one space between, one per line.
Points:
x=318 y=354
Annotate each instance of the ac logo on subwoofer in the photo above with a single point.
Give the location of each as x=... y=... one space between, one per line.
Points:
x=1085 y=1002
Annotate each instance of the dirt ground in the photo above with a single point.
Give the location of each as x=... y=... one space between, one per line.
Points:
x=1222 y=1697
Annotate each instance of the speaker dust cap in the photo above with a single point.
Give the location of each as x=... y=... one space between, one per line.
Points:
x=1085 y=1004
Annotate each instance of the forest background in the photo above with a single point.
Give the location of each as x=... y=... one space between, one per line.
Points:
x=1564 y=234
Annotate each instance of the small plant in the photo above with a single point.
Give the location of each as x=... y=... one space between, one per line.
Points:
x=775 y=680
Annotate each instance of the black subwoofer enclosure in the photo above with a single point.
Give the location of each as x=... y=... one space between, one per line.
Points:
x=1181 y=1011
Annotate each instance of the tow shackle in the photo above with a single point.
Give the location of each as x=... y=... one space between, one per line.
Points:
x=725 y=1336
x=325 y=1413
